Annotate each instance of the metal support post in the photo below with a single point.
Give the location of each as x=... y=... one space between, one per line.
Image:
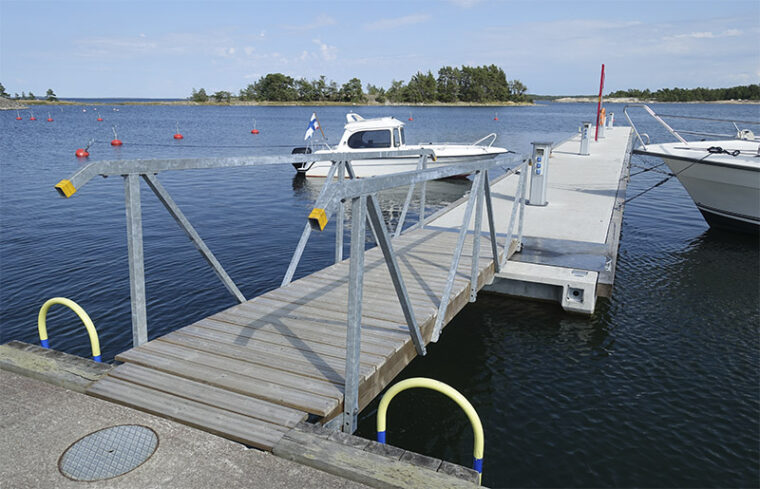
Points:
x=375 y=217
x=306 y=231
x=516 y=205
x=491 y=226
x=340 y=217
x=602 y=124
x=353 y=335
x=457 y=255
x=423 y=194
x=407 y=201
x=352 y=176
x=610 y=121
x=521 y=220
x=188 y=228
x=136 y=261
x=475 y=262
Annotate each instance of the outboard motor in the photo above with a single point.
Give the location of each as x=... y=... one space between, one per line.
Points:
x=303 y=166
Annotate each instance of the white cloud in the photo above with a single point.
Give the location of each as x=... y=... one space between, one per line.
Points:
x=328 y=52
x=705 y=35
x=385 y=24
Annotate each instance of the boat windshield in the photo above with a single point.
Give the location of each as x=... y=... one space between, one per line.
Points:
x=370 y=139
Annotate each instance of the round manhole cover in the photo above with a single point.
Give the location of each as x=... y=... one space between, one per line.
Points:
x=108 y=453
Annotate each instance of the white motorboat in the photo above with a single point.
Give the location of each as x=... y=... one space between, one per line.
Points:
x=722 y=175
x=387 y=134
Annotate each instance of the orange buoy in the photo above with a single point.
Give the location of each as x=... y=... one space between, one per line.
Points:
x=32 y=118
x=82 y=153
x=496 y=118
x=100 y=119
x=254 y=130
x=50 y=117
x=177 y=135
x=18 y=116
x=115 y=141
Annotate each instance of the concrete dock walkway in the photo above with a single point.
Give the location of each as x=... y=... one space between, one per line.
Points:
x=40 y=421
x=570 y=245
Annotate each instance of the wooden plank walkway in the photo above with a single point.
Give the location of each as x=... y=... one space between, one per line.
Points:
x=253 y=371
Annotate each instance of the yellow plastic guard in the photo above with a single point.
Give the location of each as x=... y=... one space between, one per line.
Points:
x=319 y=218
x=65 y=188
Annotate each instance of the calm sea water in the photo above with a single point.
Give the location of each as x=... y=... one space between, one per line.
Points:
x=659 y=388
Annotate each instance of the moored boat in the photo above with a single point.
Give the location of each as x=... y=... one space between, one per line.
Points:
x=721 y=175
x=387 y=134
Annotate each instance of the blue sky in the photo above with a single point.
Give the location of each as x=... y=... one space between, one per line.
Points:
x=165 y=48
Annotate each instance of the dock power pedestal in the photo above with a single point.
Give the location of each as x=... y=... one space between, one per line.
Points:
x=585 y=128
x=540 y=174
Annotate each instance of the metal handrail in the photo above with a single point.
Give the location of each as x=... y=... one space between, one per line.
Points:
x=88 y=324
x=365 y=210
x=362 y=196
x=453 y=394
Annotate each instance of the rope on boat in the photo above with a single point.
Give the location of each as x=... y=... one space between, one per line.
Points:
x=718 y=150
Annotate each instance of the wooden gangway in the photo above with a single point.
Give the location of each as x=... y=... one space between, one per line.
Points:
x=251 y=372
x=322 y=347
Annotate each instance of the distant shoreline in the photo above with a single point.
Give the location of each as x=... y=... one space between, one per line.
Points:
x=19 y=104
x=627 y=100
x=11 y=104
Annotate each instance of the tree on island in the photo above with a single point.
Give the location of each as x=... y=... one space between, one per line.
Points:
x=31 y=96
x=222 y=96
x=50 y=96
x=743 y=92
x=3 y=93
x=468 y=84
x=351 y=91
x=199 y=96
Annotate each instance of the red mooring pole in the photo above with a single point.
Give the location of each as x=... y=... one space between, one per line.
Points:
x=599 y=105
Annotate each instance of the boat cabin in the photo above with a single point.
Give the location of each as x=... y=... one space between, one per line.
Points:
x=378 y=133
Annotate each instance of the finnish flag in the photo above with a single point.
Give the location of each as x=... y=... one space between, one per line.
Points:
x=313 y=126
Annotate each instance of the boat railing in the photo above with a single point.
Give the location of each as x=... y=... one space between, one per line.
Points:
x=491 y=136
x=739 y=134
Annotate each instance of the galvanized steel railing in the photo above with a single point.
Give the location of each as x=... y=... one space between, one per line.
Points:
x=335 y=194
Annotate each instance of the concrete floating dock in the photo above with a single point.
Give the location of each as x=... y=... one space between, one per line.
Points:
x=569 y=247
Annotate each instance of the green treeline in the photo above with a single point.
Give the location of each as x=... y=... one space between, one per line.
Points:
x=49 y=95
x=480 y=84
x=743 y=92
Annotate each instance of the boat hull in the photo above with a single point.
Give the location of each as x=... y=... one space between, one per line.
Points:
x=374 y=167
x=724 y=188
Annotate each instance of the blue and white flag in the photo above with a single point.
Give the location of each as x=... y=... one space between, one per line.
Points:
x=313 y=126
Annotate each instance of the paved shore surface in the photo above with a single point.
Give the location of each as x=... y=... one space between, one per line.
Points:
x=40 y=421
